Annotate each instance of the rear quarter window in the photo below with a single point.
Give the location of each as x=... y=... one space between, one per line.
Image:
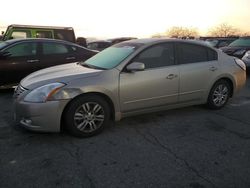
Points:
x=54 y=48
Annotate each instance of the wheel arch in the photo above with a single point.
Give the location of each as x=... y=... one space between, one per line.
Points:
x=99 y=94
x=226 y=78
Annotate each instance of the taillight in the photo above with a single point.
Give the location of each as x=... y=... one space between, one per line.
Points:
x=240 y=63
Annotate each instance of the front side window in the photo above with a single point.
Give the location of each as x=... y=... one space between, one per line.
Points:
x=157 y=56
x=20 y=34
x=53 y=48
x=190 y=53
x=22 y=49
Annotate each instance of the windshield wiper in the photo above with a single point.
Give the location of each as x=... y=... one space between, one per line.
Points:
x=90 y=66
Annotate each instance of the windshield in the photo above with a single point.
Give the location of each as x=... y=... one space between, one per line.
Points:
x=112 y=56
x=241 y=42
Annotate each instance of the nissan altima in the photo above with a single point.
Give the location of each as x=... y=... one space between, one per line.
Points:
x=129 y=78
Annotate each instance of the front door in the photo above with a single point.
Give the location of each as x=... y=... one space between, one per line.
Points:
x=156 y=86
x=54 y=53
x=22 y=60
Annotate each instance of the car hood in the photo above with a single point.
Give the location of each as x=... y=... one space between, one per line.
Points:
x=61 y=73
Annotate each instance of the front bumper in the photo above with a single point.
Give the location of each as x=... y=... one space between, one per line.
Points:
x=44 y=117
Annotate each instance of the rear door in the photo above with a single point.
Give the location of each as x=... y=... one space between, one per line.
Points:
x=23 y=59
x=198 y=67
x=55 y=53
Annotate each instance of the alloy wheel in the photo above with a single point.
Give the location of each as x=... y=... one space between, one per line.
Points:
x=89 y=117
x=220 y=95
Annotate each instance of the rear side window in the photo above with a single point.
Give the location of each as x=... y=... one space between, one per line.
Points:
x=212 y=55
x=44 y=34
x=53 y=48
x=191 y=53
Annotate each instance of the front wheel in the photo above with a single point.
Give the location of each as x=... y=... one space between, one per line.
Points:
x=86 y=116
x=219 y=94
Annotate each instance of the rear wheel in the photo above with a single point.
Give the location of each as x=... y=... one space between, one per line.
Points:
x=86 y=116
x=219 y=94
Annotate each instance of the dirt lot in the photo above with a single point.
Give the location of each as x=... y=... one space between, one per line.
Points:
x=190 y=147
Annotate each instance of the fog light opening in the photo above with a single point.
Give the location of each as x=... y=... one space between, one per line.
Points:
x=26 y=121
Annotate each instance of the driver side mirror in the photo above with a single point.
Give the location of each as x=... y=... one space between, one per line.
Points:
x=136 y=66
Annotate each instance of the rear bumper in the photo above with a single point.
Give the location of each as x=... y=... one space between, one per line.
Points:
x=240 y=78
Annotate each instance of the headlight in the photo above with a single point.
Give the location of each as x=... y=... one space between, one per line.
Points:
x=240 y=52
x=43 y=93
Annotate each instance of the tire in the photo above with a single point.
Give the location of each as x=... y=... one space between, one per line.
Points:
x=219 y=95
x=86 y=116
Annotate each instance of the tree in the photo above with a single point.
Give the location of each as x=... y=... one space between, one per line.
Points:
x=158 y=35
x=182 y=32
x=224 y=30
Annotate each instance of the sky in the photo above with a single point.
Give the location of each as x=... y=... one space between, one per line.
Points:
x=134 y=18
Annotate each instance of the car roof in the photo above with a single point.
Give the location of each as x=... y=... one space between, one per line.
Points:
x=13 y=41
x=159 y=40
x=40 y=27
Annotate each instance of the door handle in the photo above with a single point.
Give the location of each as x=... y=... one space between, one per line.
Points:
x=32 y=61
x=213 y=68
x=70 y=58
x=171 y=76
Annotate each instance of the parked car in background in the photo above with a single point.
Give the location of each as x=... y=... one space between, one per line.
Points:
x=129 y=78
x=239 y=48
x=99 y=45
x=219 y=42
x=121 y=39
x=81 y=41
x=20 y=57
x=16 y=31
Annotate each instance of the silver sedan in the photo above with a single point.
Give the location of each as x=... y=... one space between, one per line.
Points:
x=130 y=78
